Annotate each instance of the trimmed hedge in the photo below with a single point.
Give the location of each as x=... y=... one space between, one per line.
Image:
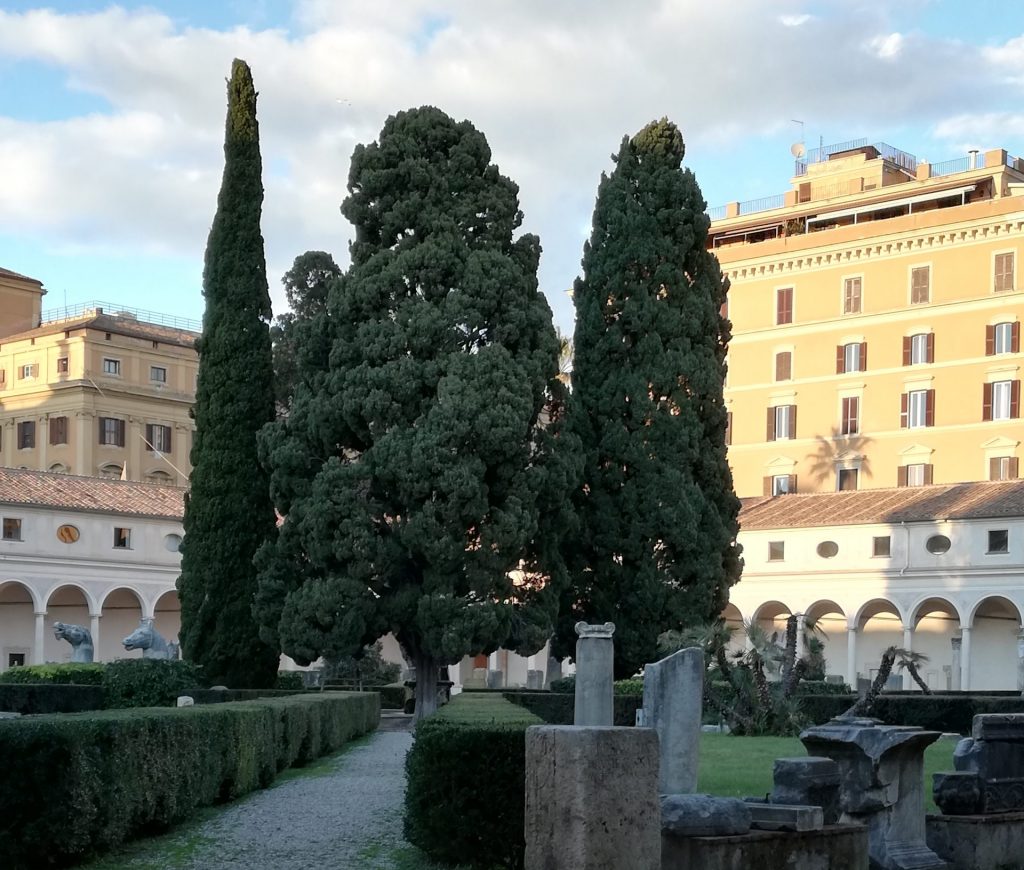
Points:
x=464 y=803
x=557 y=708
x=69 y=674
x=950 y=713
x=392 y=697
x=77 y=784
x=290 y=680
x=221 y=696
x=49 y=698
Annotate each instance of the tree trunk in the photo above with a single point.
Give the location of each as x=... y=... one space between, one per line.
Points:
x=426 y=685
x=916 y=677
x=864 y=705
x=789 y=655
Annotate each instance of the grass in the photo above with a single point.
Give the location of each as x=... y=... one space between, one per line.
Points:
x=479 y=707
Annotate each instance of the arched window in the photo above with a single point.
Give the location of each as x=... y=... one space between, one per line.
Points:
x=110 y=471
x=161 y=477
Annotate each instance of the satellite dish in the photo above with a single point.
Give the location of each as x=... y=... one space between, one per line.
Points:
x=798 y=150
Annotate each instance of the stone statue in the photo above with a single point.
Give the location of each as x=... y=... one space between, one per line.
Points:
x=79 y=638
x=153 y=645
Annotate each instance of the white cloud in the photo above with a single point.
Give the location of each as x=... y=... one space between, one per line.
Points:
x=887 y=47
x=795 y=20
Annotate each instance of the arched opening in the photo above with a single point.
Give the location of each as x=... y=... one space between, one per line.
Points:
x=160 y=477
x=59 y=468
x=829 y=623
x=994 y=661
x=65 y=604
x=167 y=616
x=110 y=471
x=936 y=622
x=771 y=617
x=121 y=614
x=17 y=625
x=734 y=621
x=880 y=625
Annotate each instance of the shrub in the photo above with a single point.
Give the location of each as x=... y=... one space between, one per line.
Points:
x=822 y=687
x=78 y=784
x=72 y=674
x=949 y=713
x=222 y=696
x=634 y=686
x=148 y=682
x=49 y=698
x=291 y=680
x=564 y=685
x=466 y=782
x=560 y=709
x=818 y=709
x=391 y=697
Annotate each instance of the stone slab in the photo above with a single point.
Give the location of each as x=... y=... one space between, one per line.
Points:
x=595 y=667
x=673 y=699
x=808 y=781
x=702 y=815
x=978 y=842
x=838 y=847
x=186 y=701
x=780 y=817
x=998 y=726
x=592 y=798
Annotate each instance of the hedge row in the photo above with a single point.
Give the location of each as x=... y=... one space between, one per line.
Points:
x=43 y=698
x=557 y=708
x=949 y=713
x=464 y=803
x=77 y=784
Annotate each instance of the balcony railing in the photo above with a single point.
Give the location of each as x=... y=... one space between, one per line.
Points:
x=85 y=309
x=951 y=167
x=765 y=203
x=717 y=213
x=902 y=159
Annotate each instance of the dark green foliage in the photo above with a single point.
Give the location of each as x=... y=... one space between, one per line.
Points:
x=414 y=469
x=228 y=512
x=565 y=685
x=223 y=696
x=148 y=682
x=49 y=698
x=464 y=803
x=629 y=687
x=656 y=545
x=559 y=708
x=72 y=785
x=391 y=697
x=949 y=713
x=367 y=668
x=289 y=680
x=75 y=674
x=822 y=687
x=818 y=709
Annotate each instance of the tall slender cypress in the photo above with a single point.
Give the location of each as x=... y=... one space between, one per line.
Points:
x=656 y=545
x=228 y=512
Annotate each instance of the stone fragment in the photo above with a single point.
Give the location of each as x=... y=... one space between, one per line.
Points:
x=998 y=726
x=535 y=679
x=808 y=781
x=958 y=794
x=186 y=701
x=592 y=798
x=595 y=659
x=780 y=817
x=673 y=695
x=993 y=759
x=702 y=815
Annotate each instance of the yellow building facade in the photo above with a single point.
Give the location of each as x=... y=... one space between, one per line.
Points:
x=876 y=311
x=94 y=391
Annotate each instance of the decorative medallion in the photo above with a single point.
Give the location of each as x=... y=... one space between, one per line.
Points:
x=67 y=534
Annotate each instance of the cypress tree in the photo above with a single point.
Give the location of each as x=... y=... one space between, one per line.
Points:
x=656 y=544
x=228 y=512
x=416 y=468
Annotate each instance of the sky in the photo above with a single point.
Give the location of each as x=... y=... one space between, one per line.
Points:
x=112 y=116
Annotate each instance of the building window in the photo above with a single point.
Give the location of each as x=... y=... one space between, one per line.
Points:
x=172 y=543
x=917 y=409
x=937 y=545
x=781 y=422
x=158 y=374
x=851 y=357
x=880 y=546
x=776 y=551
x=1003 y=279
x=849 y=423
x=16 y=660
x=3 y=378
x=918 y=474
x=12 y=529
x=111 y=431
x=920 y=285
x=111 y=471
x=846 y=479
x=998 y=541
x=828 y=549
x=919 y=349
x=1002 y=338
x=784 y=365
x=62 y=365
x=159 y=477
x=58 y=430
x=122 y=539
x=28 y=372
x=784 y=305
x=1000 y=400
x=851 y=296
x=26 y=434
x=112 y=367
x=159 y=437
x=779 y=484
x=1002 y=468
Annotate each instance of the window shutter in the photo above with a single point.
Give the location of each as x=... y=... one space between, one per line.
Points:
x=990 y=340
x=1013 y=468
x=167 y=438
x=792 y=483
x=929 y=408
x=783 y=366
x=1014 y=399
x=149 y=432
x=901 y=476
x=931 y=347
x=1015 y=337
x=906 y=350
x=986 y=402
x=863 y=356
x=904 y=404
x=792 y=421
x=120 y=433
x=768 y=485
x=771 y=425
x=993 y=468
x=840 y=359
x=928 y=473
x=100 y=421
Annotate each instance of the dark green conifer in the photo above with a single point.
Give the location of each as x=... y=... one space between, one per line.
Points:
x=228 y=512
x=415 y=468
x=655 y=548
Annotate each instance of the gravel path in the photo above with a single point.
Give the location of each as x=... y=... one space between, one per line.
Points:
x=343 y=813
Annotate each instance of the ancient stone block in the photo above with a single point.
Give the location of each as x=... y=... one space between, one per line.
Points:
x=998 y=726
x=701 y=815
x=978 y=842
x=958 y=794
x=673 y=695
x=779 y=817
x=808 y=781
x=840 y=847
x=595 y=660
x=186 y=701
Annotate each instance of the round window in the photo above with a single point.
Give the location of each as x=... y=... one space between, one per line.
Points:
x=937 y=544
x=827 y=549
x=172 y=542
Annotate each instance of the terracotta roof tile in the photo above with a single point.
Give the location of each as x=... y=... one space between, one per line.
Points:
x=111 y=323
x=68 y=492
x=907 y=504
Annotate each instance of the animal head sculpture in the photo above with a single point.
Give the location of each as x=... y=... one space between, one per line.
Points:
x=78 y=636
x=152 y=644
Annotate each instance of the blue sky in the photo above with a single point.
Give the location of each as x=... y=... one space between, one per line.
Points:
x=111 y=116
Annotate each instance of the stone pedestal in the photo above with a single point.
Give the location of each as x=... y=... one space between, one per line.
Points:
x=978 y=842
x=592 y=798
x=673 y=695
x=989 y=766
x=595 y=674
x=808 y=781
x=882 y=782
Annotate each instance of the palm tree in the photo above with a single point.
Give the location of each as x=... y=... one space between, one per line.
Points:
x=565 y=351
x=865 y=704
x=910 y=660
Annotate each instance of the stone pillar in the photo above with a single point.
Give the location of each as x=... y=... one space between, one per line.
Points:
x=881 y=786
x=673 y=697
x=965 y=658
x=94 y=630
x=595 y=675
x=956 y=674
x=592 y=798
x=851 y=657
x=38 y=658
x=1020 y=662
x=908 y=645
x=801 y=635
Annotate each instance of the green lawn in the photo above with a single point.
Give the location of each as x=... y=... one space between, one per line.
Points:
x=742 y=766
